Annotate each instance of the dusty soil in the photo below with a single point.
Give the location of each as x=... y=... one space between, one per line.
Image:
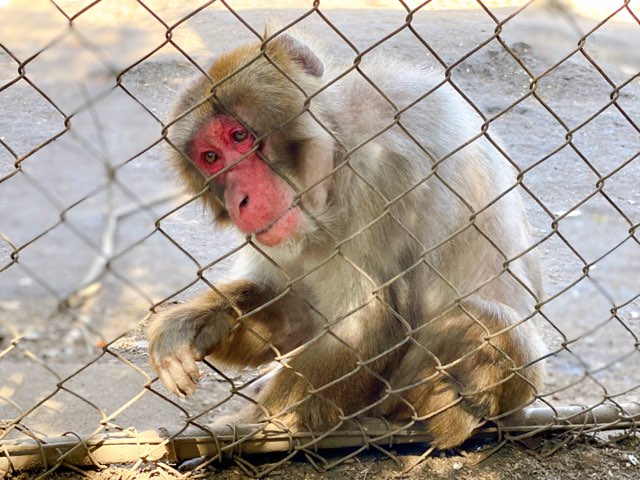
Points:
x=55 y=211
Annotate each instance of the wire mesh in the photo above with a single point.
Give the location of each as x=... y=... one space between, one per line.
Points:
x=99 y=238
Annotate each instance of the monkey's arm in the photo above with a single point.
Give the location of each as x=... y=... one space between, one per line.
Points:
x=208 y=326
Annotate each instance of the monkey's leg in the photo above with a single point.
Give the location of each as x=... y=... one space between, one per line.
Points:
x=338 y=374
x=478 y=372
x=208 y=326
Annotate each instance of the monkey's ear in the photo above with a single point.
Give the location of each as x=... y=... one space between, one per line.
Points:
x=299 y=52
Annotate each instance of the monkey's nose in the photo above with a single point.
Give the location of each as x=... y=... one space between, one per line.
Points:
x=245 y=201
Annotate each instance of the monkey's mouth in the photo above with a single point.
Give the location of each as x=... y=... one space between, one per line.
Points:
x=279 y=229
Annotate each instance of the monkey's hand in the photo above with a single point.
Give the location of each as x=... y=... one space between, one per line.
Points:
x=181 y=336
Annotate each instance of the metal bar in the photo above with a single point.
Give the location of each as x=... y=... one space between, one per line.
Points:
x=126 y=447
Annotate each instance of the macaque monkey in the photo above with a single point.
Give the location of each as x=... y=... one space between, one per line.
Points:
x=388 y=269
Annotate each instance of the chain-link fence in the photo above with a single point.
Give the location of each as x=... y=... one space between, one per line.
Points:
x=395 y=173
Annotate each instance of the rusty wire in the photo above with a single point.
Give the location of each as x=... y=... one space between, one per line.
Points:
x=76 y=309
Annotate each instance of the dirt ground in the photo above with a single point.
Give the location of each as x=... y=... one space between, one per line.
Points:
x=108 y=166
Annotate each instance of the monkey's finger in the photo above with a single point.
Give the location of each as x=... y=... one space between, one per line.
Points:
x=167 y=381
x=183 y=382
x=189 y=366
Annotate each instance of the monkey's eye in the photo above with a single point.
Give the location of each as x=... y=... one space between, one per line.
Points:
x=239 y=135
x=210 y=157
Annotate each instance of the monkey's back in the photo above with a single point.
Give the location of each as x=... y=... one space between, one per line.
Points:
x=418 y=151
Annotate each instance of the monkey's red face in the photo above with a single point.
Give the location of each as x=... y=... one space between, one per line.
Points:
x=258 y=201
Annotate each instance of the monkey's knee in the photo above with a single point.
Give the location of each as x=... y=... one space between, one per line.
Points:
x=487 y=369
x=477 y=395
x=498 y=356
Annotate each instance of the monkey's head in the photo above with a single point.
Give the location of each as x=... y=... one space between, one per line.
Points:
x=251 y=145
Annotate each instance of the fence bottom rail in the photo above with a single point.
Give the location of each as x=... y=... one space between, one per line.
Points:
x=225 y=442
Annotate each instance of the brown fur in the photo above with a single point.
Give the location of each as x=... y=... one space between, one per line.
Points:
x=421 y=314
